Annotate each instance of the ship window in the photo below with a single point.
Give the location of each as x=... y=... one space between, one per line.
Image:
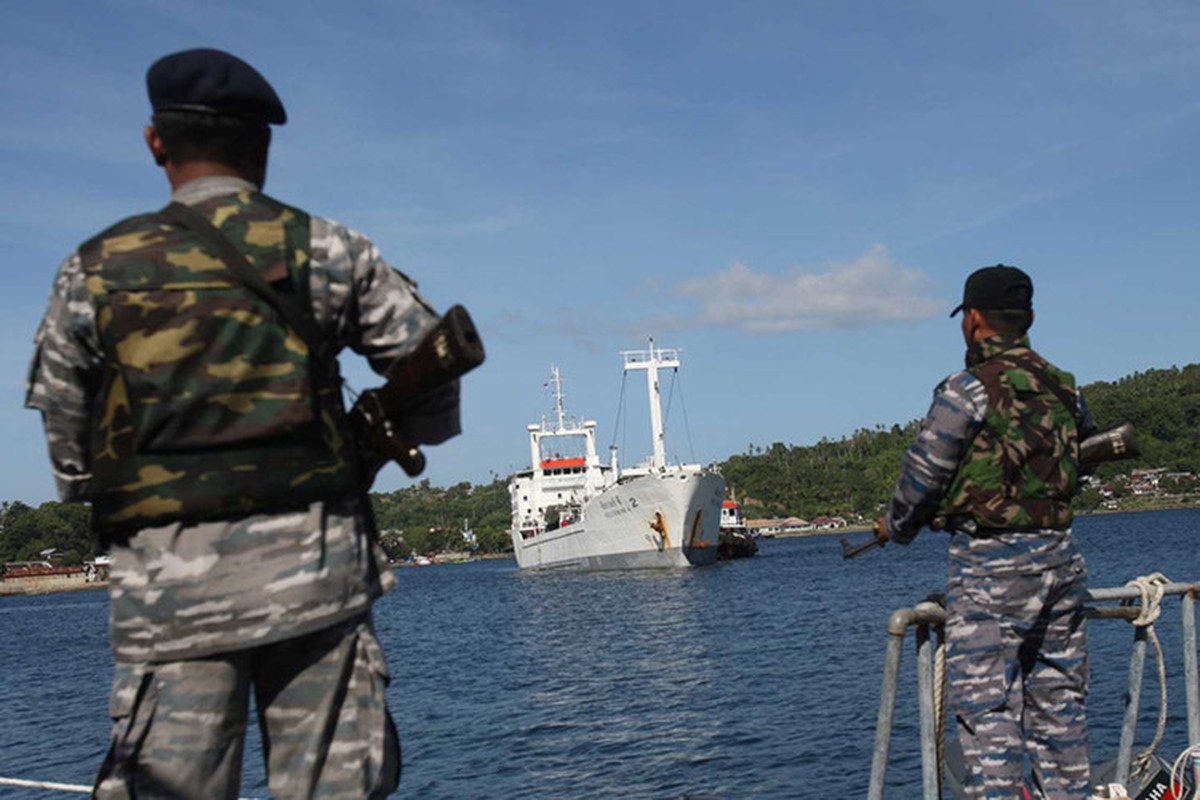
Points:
x=560 y=495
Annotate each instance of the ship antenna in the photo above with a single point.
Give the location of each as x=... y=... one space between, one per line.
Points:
x=558 y=398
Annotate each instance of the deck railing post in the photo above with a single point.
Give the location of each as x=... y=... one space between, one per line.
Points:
x=1191 y=677
x=887 y=708
x=927 y=614
x=925 y=689
x=1133 y=699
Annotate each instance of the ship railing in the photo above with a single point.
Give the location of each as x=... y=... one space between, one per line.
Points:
x=929 y=619
x=55 y=786
x=664 y=356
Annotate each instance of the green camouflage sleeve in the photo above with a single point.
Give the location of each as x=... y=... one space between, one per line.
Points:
x=64 y=377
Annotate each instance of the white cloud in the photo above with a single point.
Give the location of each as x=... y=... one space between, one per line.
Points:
x=867 y=291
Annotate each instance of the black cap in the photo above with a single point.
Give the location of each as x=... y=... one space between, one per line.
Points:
x=213 y=82
x=997 y=287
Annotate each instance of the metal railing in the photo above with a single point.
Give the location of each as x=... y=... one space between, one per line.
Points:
x=929 y=617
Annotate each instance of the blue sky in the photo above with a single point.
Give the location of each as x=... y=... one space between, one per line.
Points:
x=791 y=192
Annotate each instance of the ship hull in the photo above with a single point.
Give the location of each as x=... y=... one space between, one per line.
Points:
x=659 y=520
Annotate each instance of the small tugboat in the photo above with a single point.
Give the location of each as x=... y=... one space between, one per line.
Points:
x=736 y=540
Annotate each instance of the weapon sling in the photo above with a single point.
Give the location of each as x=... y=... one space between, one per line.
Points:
x=219 y=244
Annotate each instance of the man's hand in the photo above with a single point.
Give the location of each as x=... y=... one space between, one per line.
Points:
x=879 y=540
x=881 y=532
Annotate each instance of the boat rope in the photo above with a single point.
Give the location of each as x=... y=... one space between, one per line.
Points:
x=1151 y=588
x=939 y=703
x=670 y=399
x=58 y=787
x=1179 y=771
x=687 y=426
x=677 y=378
x=620 y=415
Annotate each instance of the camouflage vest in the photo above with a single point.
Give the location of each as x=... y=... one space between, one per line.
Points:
x=1020 y=471
x=210 y=406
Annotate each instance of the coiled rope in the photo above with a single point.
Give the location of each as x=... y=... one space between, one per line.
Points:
x=1151 y=588
x=1179 y=771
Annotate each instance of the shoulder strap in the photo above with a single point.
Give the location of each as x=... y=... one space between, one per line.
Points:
x=299 y=320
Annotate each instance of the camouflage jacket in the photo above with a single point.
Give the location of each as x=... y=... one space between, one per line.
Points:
x=1020 y=470
x=928 y=468
x=188 y=590
x=211 y=406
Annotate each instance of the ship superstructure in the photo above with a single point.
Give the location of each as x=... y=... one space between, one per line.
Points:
x=570 y=510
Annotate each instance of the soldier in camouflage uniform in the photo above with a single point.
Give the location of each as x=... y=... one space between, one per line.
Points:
x=213 y=446
x=995 y=465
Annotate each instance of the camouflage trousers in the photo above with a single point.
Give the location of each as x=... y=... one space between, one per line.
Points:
x=1017 y=666
x=179 y=726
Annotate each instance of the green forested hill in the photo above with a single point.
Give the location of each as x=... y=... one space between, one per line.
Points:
x=842 y=477
x=1164 y=404
x=848 y=476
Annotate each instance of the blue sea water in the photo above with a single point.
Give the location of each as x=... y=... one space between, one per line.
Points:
x=750 y=679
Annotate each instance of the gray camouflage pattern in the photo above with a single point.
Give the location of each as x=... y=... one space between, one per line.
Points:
x=1017 y=665
x=928 y=465
x=184 y=591
x=1016 y=635
x=177 y=727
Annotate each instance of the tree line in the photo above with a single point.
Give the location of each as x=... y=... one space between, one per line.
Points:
x=850 y=476
x=856 y=475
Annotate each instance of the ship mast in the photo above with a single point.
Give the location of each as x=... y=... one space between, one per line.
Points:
x=558 y=398
x=651 y=361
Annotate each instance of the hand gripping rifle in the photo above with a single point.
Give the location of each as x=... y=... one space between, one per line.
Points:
x=451 y=349
x=1111 y=445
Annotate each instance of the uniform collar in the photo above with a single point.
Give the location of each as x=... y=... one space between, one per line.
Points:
x=201 y=189
x=993 y=346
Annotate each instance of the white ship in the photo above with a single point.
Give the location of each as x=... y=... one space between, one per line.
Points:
x=572 y=511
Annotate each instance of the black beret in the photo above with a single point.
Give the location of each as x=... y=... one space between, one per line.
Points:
x=213 y=82
x=996 y=288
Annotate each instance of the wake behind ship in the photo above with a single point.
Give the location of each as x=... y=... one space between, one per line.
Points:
x=572 y=511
